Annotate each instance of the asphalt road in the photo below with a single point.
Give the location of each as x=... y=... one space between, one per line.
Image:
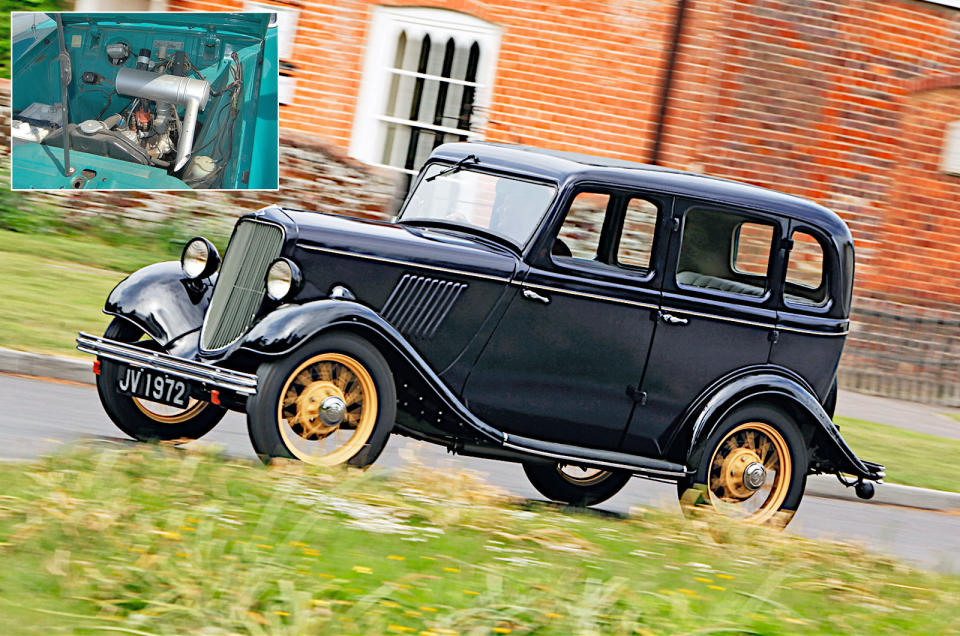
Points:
x=39 y=417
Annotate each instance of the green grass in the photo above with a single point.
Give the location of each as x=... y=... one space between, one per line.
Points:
x=50 y=295
x=955 y=416
x=149 y=540
x=911 y=458
x=56 y=282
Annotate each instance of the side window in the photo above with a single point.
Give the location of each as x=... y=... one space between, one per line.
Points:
x=580 y=235
x=724 y=251
x=636 y=240
x=805 y=284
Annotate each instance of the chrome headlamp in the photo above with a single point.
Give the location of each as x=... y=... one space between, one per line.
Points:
x=199 y=259
x=283 y=279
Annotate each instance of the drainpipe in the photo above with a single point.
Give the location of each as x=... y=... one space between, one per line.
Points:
x=667 y=85
x=65 y=75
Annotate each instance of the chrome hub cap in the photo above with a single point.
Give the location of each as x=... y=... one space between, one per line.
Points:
x=754 y=475
x=332 y=410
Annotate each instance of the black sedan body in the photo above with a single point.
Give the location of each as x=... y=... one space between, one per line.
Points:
x=565 y=311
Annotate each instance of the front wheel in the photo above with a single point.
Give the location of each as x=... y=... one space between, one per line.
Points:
x=753 y=468
x=332 y=401
x=144 y=420
x=574 y=485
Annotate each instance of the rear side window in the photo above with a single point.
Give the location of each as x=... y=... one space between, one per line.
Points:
x=636 y=240
x=805 y=284
x=724 y=251
x=580 y=235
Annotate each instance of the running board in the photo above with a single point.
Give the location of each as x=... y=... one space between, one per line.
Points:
x=595 y=457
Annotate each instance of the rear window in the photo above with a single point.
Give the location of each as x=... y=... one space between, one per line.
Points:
x=805 y=284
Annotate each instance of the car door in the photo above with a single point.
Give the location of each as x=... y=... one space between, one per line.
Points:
x=812 y=319
x=565 y=362
x=718 y=313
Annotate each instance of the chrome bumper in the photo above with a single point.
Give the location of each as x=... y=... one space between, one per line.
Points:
x=207 y=374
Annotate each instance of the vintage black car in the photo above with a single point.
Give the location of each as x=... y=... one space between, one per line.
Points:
x=593 y=319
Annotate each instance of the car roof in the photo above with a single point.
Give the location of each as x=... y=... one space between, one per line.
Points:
x=561 y=166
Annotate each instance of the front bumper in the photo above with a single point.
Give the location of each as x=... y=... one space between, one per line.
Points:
x=210 y=376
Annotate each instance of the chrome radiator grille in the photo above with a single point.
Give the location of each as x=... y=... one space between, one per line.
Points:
x=241 y=286
x=418 y=305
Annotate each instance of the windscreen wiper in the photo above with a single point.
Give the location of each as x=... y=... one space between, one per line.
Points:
x=457 y=167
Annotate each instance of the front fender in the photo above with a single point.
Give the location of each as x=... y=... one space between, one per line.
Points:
x=834 y=455
x=161 y=301
x=287 y=327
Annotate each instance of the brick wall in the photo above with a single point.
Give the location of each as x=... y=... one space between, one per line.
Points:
x=843 y=102
x=571 y=75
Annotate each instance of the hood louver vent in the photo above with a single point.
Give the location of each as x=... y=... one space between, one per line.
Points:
x=418 y=305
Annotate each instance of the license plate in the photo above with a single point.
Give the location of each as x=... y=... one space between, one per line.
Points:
x=153 y=386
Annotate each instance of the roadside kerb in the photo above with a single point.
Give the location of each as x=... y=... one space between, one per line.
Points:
x=890 y=494
x=46 y=366
x=75 y=370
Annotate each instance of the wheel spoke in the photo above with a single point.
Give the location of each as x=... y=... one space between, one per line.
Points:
x=355 y=396
x=325 y=371
x=343 y=378
x=304 y=378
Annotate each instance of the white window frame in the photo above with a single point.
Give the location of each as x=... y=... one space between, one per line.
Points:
x=367 y=137
x=950 y=159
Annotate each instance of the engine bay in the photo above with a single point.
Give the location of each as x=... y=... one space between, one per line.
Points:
x=176 y=93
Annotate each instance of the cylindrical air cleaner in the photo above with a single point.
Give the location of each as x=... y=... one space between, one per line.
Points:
x=188 y=92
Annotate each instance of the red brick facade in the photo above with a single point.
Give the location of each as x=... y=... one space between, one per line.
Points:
x=845 y=102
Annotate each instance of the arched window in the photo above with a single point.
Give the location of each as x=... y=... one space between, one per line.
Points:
x=426 y=81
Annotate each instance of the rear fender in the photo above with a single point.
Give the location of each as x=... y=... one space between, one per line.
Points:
x=287 y=327
x=830 y=452
x=162 y=301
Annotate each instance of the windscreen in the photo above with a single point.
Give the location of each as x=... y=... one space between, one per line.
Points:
x=507 y=207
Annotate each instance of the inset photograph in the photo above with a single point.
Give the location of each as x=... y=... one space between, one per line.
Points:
x=135 y=101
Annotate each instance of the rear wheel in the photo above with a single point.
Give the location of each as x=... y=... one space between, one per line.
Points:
x=754 y=468
x=144 y=420
x=575 y=485
x=331 y=402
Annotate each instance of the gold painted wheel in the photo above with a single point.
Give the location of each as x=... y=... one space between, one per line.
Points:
x=750 y=472
x=580 y=476
x=327 y=409
x=169 y=414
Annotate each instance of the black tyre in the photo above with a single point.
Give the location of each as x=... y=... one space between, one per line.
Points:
x=753 y=467
x=573 y=485
x=330 y=402
x=149 y=421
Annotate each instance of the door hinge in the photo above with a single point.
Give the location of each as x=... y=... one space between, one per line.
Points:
x=638 y=396
x=774 y=335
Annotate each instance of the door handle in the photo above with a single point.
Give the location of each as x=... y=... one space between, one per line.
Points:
x=529 y=294
x=670 y=319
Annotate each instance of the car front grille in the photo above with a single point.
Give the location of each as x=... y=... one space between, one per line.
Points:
x=418 y=304
x=240 y=286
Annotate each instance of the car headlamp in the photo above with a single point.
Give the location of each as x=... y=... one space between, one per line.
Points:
x=199 y=259
x=283 y=279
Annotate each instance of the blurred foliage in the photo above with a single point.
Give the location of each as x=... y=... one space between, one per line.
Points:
x=6 y=6
x=151 y=540
x=46 y=254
